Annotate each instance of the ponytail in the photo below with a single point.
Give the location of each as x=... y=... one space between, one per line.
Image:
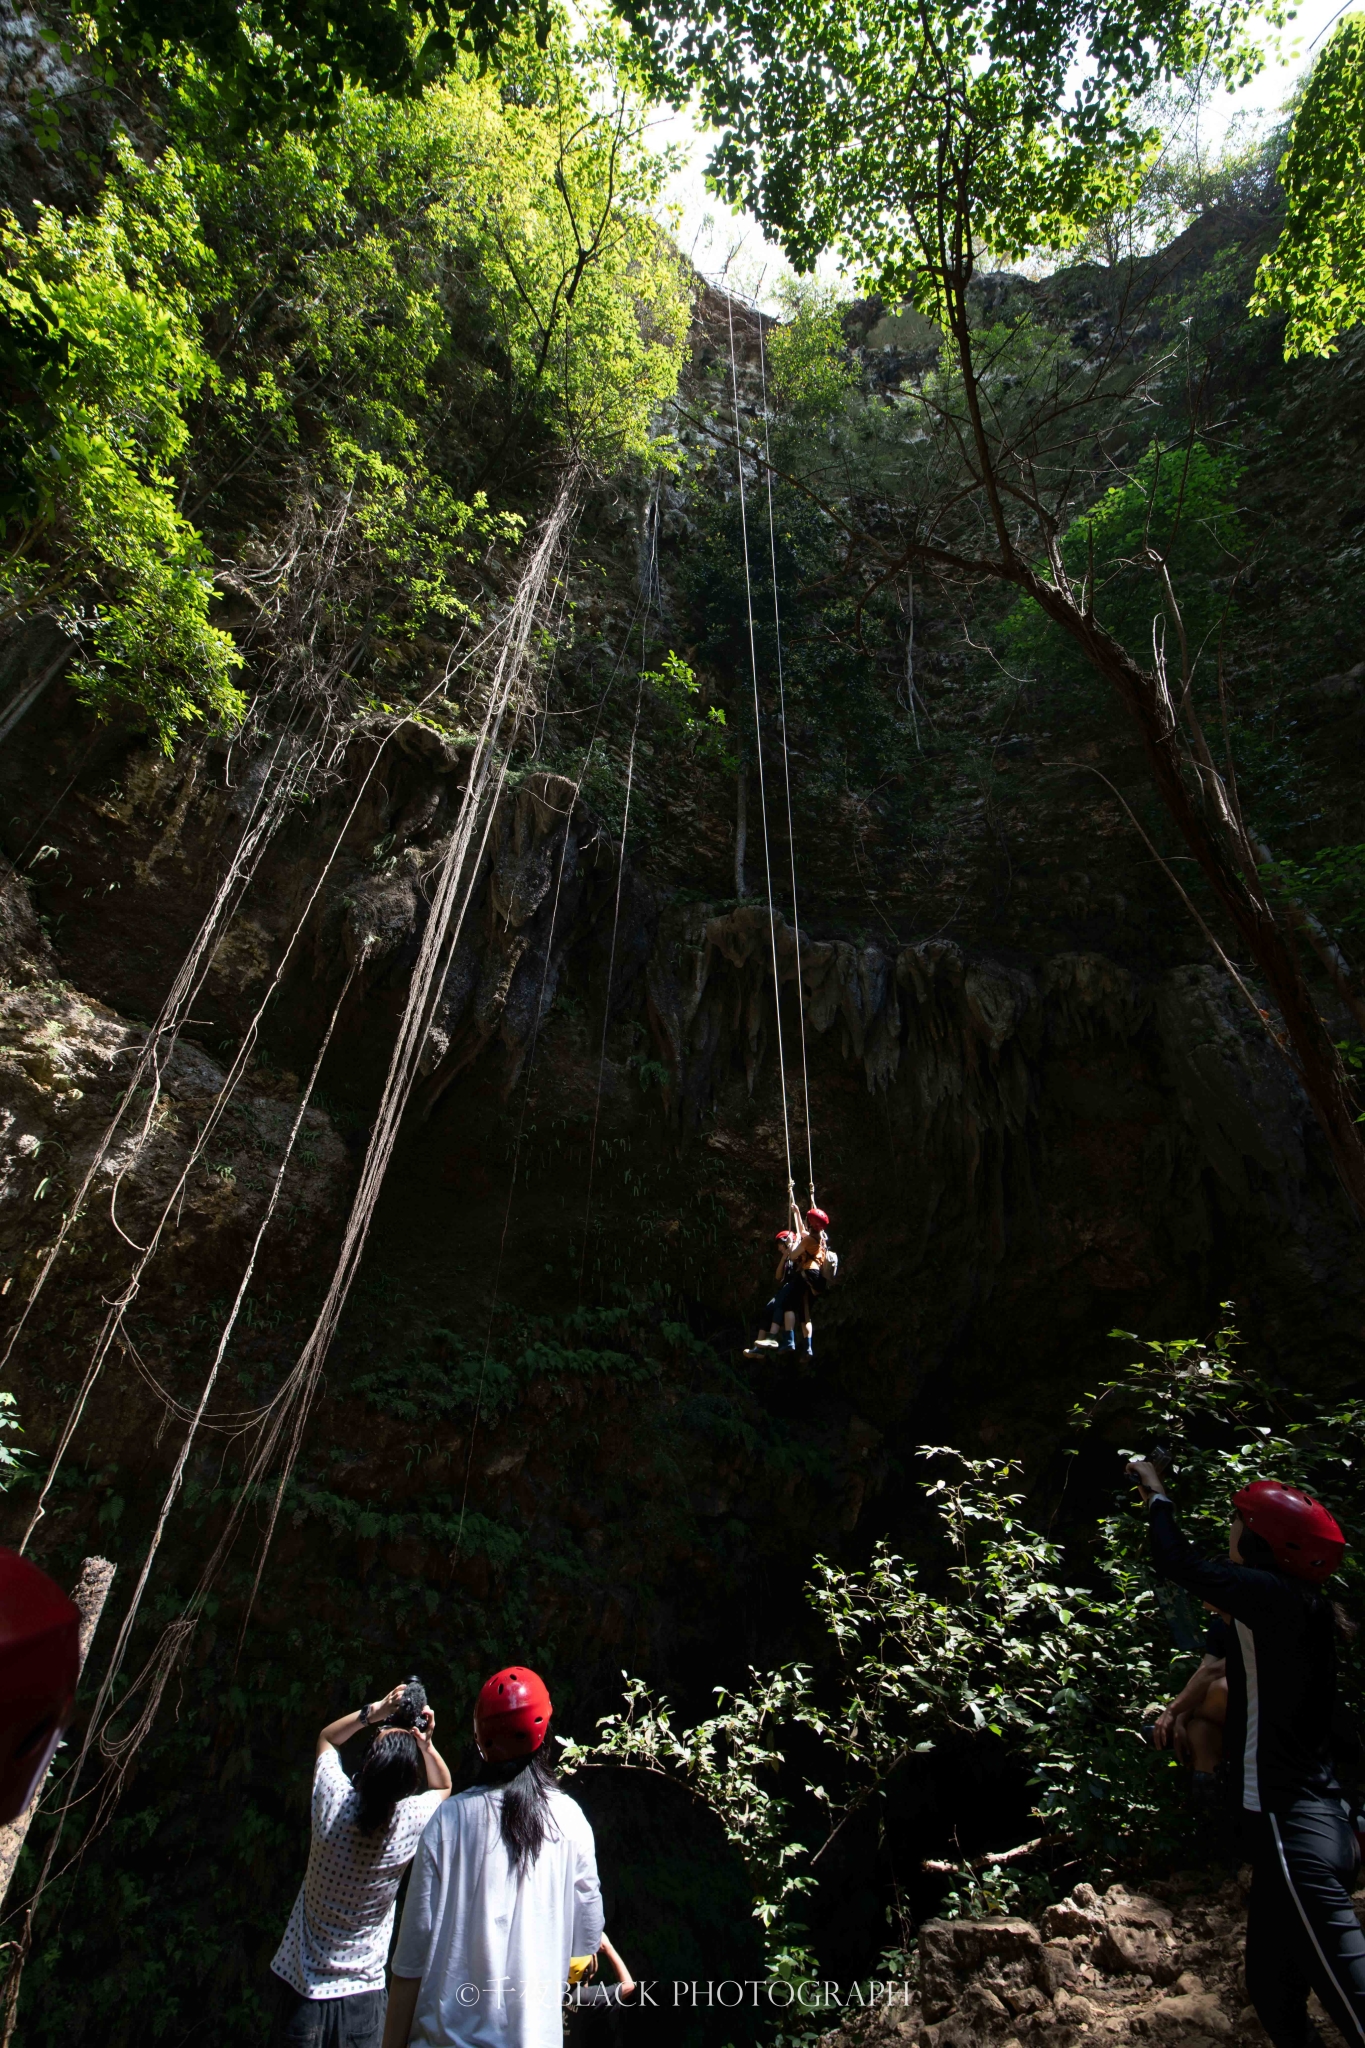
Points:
x=1255 y=1551
x=525 y=1819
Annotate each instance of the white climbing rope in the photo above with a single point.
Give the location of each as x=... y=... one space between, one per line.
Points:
x=786 y=763
x=649 y=595
x=758 y=744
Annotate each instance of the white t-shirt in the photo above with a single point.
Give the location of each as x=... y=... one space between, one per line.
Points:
x=337 y=1940
x=492 y=1948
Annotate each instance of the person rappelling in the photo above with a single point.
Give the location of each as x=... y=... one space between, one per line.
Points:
x=1302 y=1932
x=807 y=1267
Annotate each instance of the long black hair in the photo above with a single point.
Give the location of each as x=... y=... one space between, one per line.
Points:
x=391 y=1770
x=526 y=1783
x=1255 y=1551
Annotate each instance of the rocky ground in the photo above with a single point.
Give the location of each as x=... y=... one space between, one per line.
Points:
x=1163 y=1966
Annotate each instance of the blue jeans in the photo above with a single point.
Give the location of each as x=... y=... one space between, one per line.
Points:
x=790 y=1295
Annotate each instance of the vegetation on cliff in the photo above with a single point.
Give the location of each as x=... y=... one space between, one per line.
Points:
x=260 y=355
x=1054 y=1651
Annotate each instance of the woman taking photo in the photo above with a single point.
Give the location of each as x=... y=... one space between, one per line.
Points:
x=504 y=1894
x=336 y=1945
x=1302 y=1931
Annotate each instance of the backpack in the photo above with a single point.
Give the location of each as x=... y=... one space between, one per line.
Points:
x=821 y=1278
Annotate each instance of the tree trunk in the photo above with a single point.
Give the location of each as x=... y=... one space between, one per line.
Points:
x=1267 y=941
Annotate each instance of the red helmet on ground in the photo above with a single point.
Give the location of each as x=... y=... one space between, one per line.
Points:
x=1304 y=1539
x=39 y=1665
x=817 y=1219
x=511 y=1715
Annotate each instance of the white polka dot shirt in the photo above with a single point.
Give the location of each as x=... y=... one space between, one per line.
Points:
x=337 y=1940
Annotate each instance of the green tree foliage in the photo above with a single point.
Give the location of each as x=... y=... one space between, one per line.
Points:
x=12 y=1455
x=921 y=143
x=676 y=693
x=1332 y=882
x=1183 y=181
x=728 y=1760
x=102 y=340
x=313 y=351
x=847 y=125
x=505 y=216
x=1056 y=1650
x=1171 y=526
x=286 y=63
x=421 y=297
x=1316 y=273
x=810 y=370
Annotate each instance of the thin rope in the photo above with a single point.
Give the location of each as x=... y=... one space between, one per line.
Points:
x=175 y=1637
x=758 y=742
x=172 y=1491
x=526 y=1090
x=262 y=821
x=649 y=592
x=174 y=1013
x=786 y=763
x=450 y=904
x=113 y=1323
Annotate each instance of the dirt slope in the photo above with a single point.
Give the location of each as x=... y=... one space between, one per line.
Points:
x=1163 y=1967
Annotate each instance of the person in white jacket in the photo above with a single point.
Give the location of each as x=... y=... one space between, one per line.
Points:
x=504 y=1893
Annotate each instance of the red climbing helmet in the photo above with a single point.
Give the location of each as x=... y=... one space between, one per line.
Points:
x=39 y=1665
x=511 y=1715
x=816 y=1219
x=1305 y=1540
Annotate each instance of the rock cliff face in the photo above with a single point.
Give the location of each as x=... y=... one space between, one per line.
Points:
x=1018 y=1153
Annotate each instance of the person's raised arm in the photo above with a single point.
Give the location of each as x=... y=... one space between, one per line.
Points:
x=337 y=1732
x=1235 y=1589
x=438 y=1770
